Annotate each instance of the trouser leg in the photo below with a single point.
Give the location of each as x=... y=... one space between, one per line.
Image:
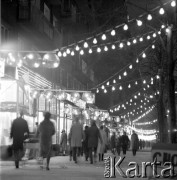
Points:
x=74 y=153
x=91 y=156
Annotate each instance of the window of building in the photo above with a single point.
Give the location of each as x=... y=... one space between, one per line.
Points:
x=24 y=9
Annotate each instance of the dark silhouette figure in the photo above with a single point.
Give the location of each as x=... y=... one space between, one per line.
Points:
x=124 y=142
x=19 y=132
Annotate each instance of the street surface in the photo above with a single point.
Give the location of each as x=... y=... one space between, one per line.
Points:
x=63 y=169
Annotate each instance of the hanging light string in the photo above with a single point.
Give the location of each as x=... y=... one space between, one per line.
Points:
x=142 y=53
x=128 y=99
x=124 y=25
x=146 y=123
x=144 y=131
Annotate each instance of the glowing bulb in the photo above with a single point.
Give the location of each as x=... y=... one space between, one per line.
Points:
x=129 y=86
x=125 y=27
x=56 y=64
x=97 y=90
x=141 y=39
x=144 y=82
x=106 y=48
x=59 y=54
x=167 y=30
x=121 y=45
x=72 y=53
x=85 y=45
x=107 y=83
x=119 y=77
x=113 y=88
x=114 y=81
x=137 y=60
x=64 y=54
x=113 y=46
x=130 y=67
x=159 y=32
x=153 y=46
x=148 y=37
x=162 y=26
x=81 y=52
x=125 y=73
x=90 y=50
x=134 y=41
x=102 y=87
x=36 y=65
x=173 y=3
x=144 y=55
x=103 y=37
x=149 y=17
x=136 y=82
x=120 y=87
x=113 y=32
x=139 y=22
x=77 y=48
x=105 y=91
x=98 y=49
x=154 y=35
x=128 y=43
x=161 y=11
x=68 y=51
x=94 y=41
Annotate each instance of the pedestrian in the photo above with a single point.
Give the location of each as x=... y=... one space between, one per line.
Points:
x=63 y=142
x=102 y=146
x=118 y=143
x=93 y=136
x=113 y=143
x=45 y=132
x=124 y=142
x=134 y=143
x=19 y=132
x=76 y=133
x=85 y=143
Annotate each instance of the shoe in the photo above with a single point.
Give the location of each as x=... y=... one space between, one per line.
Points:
x=17 y=164
x=47 y=168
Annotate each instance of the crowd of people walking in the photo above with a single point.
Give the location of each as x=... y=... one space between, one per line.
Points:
x=91 y=141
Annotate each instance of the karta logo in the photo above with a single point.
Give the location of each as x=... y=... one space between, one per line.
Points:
x=111 y=167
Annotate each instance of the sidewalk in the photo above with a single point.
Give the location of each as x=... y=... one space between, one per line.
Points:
x=62 y=168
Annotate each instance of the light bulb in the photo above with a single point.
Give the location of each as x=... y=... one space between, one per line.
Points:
x=139 y=22
x=128 y=43
x=85 y=45
x=64 y=54
x=120 y=87
x=144 y=82
x=148 y=37
x=98 y=49
x=81 y=52
x=102 y=87
x=125 y=27
x=153 y=46
x=97 y=90
x=113 y=88
x=159 y=32
x=36 y=65
x=114 y=81
x=167 y=30
x=77 y=48
x=105 y=91
x=141 y=39
x=121 y=45
x=130 y=67
x=103 y=37
x=173 y=3
x=90 y=50
x=162 y=26
x=137 y=60
x=144 y=55
x=113 y=46
x=161 y=11
x=107 y=83
x=154 y=35
x=72 y=53
x=119 y=77
x=68 y=51
x=94 y=41
x=149 y=17
x=113 y=32
x=59 y=54
x=106 y=48
x=136 y=82
x=125 y=73
x=56 y=64
x=134 y=41
x=129 y=86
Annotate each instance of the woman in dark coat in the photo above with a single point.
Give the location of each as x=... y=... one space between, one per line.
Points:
x=135 y=143
x=124 y=142
x=18 y=131
x=45 y=131
x=93 y=135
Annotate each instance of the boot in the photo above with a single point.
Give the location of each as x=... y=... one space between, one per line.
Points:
x=17 y=164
